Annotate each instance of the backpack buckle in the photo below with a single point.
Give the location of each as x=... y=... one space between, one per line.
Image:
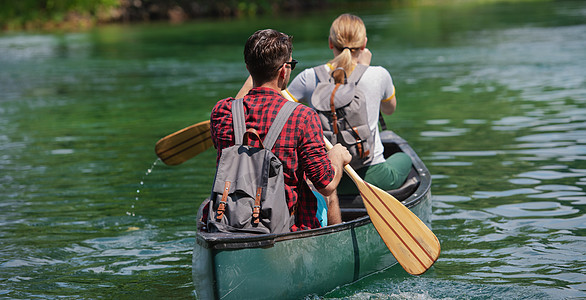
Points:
x=222 y=205
x=256 y=214
x=256 y=207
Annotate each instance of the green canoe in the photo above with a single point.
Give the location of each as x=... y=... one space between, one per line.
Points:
x=312 y=262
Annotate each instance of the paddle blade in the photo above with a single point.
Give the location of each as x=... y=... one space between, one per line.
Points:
x=412 y=243
x=184 y=144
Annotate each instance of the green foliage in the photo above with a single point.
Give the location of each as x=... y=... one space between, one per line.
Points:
x=48 y=13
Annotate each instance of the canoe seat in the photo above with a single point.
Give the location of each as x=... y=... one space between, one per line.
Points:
x=352 y=206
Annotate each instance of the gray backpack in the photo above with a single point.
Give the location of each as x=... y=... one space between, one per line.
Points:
x=248 y=194
x=342 y=111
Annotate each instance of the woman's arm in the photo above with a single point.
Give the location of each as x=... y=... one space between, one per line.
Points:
x=388 y=106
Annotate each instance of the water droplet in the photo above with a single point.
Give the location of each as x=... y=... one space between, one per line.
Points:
x=141 y=185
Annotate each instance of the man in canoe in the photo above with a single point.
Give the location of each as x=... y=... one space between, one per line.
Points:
x=300 y=146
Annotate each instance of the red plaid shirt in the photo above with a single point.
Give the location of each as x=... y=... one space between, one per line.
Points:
x=300 y=147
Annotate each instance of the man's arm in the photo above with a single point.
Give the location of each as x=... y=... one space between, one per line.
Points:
x=339 y=157
x=334 y=212
x=323 y=168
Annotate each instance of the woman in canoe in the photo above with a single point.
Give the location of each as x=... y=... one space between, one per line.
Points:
x=347 y=40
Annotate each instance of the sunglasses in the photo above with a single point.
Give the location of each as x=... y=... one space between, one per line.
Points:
x=293 y=63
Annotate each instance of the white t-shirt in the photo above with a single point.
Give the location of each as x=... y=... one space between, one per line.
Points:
x=377 y=85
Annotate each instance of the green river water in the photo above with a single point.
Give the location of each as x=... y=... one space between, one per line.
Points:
x=491 y=94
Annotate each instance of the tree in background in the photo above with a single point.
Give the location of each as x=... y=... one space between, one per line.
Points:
x=50 y=14
x=53 y=13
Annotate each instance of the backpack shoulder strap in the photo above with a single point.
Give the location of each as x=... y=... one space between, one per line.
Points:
x=321 y=73
x=238 y=120
x=357 y=73
x=278 y=124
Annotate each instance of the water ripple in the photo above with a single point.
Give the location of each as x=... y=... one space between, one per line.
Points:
x=549 y=174
x=533 y=209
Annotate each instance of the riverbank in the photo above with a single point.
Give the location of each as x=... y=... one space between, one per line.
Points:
x=78 y=14
x=73 y=15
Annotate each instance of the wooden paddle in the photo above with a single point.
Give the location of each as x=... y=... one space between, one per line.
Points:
x=412 y=243
x=184 y=144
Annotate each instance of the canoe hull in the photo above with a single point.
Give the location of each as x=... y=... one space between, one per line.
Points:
x=294 y=265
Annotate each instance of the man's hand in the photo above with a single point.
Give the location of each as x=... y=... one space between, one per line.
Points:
x=339 y=155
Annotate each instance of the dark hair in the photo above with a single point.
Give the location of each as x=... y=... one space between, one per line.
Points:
x=264 y=53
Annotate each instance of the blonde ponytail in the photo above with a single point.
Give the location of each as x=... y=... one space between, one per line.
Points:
x=347 y=34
